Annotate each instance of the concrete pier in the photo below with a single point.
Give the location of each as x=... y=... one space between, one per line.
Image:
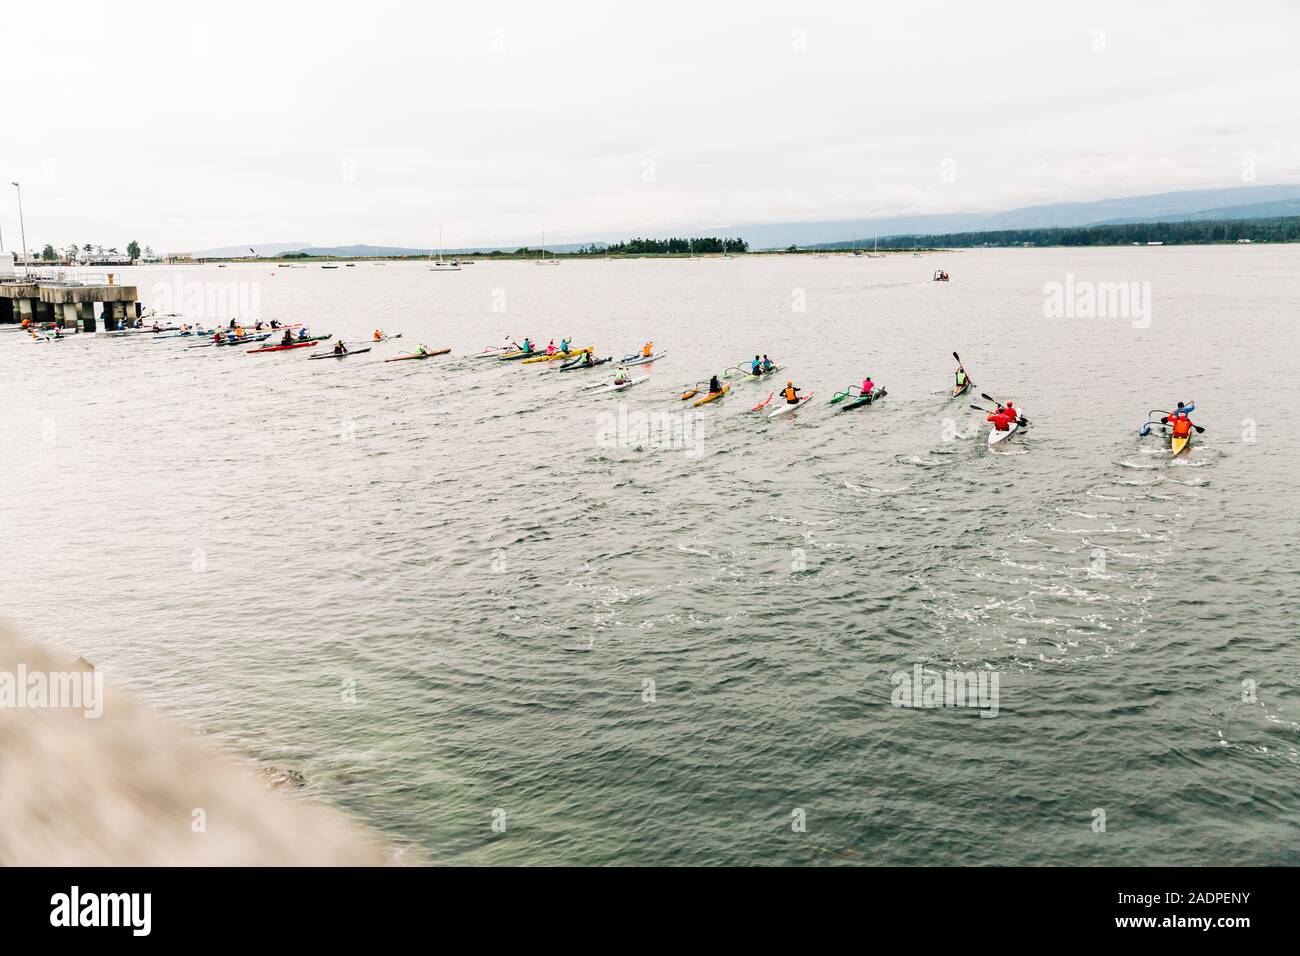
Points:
x=67 y=300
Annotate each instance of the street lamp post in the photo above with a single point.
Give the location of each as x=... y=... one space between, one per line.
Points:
x=22 y=228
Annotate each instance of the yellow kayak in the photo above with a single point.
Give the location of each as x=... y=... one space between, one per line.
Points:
x=557 y=355
x=1176 y=444
x=711 y=396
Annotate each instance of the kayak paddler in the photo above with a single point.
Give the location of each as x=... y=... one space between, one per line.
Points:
x=647 y=350
x=768 y=364
x=1005 y=417
x=340 y=348
x=1180 y=421
x=379 y=335
x=422 y=350
x=756 y=366
x=587 y=359
x=550 y=347
x=621 y=376
x=791 y=393
x=288 y=338
x=528 y=344
x=868 y=386
x=302 y=334
x=961 y=376
x=714 y=385
x=566 y=344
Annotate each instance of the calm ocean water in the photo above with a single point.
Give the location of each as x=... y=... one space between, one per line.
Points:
x=448 y=594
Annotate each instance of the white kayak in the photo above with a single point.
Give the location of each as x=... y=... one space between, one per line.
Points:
x=785 y=406
x=996 y=437
x=643 y=359
x=611 y=387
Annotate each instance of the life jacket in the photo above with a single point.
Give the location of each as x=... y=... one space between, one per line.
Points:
x=789 y=393
x=647 y=350
x=961 y=377
x=1182 y=426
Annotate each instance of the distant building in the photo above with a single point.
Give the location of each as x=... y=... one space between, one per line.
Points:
x=172 y=258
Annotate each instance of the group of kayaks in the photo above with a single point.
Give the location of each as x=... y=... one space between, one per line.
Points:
x=1008 y=421
x=571 y=358
x=294 y=336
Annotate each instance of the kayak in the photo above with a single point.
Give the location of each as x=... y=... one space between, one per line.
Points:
x=385 y=338
x=1178 y=445
x=338 y=354
x=284 y=348
x=642 y=359
x=244 y=341
x=417 y=355
x=961 y=389
x=611 y=387
x=750 y=376
x=711 y=397
x=785 y=406
x=569 y=367
x=996 y=437
x=554 y=356
x=876 y=394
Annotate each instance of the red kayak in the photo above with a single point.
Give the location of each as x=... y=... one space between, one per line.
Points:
x=285 y=348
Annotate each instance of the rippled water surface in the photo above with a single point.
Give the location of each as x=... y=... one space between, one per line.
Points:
x=647 y=654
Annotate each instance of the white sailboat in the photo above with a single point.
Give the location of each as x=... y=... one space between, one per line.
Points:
x=875 y=249
x=441 y=264
x=543 y=261
x=821 y=252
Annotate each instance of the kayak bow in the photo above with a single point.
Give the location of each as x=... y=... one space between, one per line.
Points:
x=785 y=407
x=712 y=396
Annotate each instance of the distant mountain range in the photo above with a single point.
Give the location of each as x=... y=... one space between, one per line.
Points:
x=1238 y=202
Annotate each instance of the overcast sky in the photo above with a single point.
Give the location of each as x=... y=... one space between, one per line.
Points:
x=187 y=126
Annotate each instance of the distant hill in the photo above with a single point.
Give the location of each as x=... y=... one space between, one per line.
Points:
x=1236 y=202
x=1159 y=207
x=263 y=249
x=369 y=251
x=1257 y=210
x=1164 y=233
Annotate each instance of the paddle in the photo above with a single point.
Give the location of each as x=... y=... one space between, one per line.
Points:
x=969 y=380
x=763 y=404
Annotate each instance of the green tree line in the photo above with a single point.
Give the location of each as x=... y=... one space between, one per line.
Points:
x=1280 y=229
